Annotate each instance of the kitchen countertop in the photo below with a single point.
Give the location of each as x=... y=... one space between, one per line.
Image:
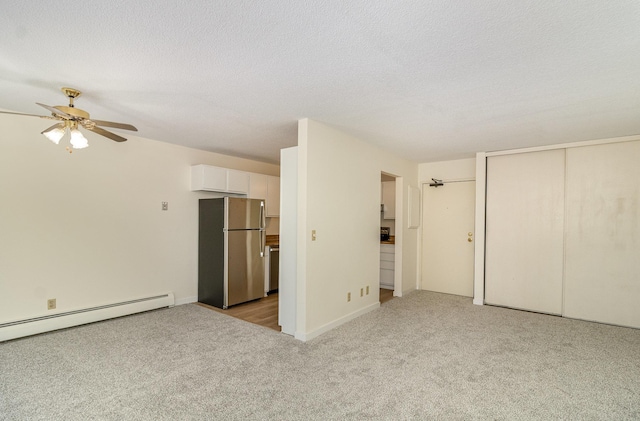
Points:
x=391 y=240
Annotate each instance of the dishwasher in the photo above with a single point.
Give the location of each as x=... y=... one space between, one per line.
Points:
x=274 y=268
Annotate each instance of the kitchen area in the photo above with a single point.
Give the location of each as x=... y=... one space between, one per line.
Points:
x=238 y=262
x=238 y=243
x=387 y=235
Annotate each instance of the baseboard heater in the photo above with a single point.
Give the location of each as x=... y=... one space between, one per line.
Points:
x=33 y=326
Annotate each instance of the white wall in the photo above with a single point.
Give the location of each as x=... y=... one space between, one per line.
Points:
x=339 y=197
x=459 y=169
x=87 y=228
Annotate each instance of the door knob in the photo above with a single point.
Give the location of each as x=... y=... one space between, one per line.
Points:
x=469 y=239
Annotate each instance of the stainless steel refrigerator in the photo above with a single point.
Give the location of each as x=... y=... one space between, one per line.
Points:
x=231 y=245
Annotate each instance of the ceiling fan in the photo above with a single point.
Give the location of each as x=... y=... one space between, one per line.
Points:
x=70 y=118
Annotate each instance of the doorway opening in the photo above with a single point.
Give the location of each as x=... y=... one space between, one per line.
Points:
x=389 y=258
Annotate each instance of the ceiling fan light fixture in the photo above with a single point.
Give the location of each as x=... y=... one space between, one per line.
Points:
x=70 y=117
x=55 y=134
x=78 y=141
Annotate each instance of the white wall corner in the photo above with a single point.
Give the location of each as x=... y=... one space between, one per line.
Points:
x=307 y=336
x=186 y=300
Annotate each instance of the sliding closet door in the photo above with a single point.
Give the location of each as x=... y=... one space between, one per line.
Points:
x=524 y=231
x=602 y=278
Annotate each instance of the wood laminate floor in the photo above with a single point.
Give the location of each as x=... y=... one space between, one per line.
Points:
x=385 y=295
x=264 y=312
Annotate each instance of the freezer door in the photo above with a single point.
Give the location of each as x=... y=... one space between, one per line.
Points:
x=244 y=213
x=245 y=267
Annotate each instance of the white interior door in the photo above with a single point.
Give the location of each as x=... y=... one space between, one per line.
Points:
x=448 y=238
x=524 y=244
x=602 y=273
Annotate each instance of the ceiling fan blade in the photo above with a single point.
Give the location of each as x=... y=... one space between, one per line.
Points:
x=55 y=126
x=30 y=115
x=56 y=111
x=105 y=133
x=114 y=125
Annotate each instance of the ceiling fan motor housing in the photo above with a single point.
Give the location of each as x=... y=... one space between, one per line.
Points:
x=76 y=112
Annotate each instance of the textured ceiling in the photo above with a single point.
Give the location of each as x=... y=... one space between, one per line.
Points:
x=429 y=80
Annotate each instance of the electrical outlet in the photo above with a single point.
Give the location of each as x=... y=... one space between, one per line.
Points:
x=165 y=205
x=361 y=292
x=367 y=289
x=348 y=296
x=51 y=304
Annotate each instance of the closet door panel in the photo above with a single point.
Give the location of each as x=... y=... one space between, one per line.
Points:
x=524 y=231
x=602 y=272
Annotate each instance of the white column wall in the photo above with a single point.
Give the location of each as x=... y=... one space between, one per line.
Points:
x=339 y=198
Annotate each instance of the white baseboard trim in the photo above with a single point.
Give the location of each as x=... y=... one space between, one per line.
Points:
x=62 y=320
x=187 y=300
x=307 y=336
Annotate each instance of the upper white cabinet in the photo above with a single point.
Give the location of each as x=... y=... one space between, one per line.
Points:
x=273 y=196
x=257 y=186
x=266 y=187
x=388 y=200
x=225 y=180
x=210 y=178
x=237 y=181
x=206 y=177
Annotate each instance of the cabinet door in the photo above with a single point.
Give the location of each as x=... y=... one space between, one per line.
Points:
x=237 y=181
x=257 y=186
x=387 y=266
x=273 y=196
x=387 y=278
x=525 y=231
x=214 y=178
x=602 y=273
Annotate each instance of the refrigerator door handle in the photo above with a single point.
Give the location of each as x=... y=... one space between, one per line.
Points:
x=263 y=242
x=263 y=222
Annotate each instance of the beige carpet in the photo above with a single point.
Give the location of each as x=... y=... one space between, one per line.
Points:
x=424 y=356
